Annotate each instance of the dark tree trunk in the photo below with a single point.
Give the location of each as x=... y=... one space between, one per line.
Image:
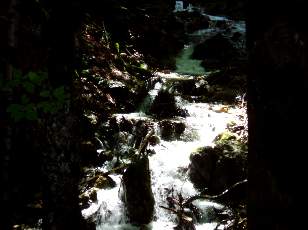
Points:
x=278 y=83
x=8 y=40
x=39 y=154
x=60 y=166
x=60 y=174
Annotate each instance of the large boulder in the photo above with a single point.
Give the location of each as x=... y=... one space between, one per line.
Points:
x=202 y=166
x=220 y=167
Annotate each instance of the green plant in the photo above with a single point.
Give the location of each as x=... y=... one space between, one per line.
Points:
x=33 y=97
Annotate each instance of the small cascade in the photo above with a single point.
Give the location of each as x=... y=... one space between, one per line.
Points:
x=145 y=105
x=168 y=167
x=171 y=160
x=186 y=65
x=169 y=164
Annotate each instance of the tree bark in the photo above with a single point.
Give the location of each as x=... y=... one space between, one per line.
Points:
x=60 y=157
x=9 y=24
x=278 y=83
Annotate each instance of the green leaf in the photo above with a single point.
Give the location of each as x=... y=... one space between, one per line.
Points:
x=24 y=99
x=46 y=106
x=144 y=66
x=117 y=46
x=16 y=111
x=30 y=112
x=28 y=86
x=17 y=75
x=34 y=77
x=13 y=108
x=85 y=71
x=59 y=93
x=37 y=77
x=45 y=93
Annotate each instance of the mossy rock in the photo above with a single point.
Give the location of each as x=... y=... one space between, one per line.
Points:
x=220 y=167
x=103 y=182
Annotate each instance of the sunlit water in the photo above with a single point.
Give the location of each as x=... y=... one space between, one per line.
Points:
x=204 y=123
x=186 y=65
x=169 y=165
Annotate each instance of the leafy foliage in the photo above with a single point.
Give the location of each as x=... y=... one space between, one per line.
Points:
x=33 y=97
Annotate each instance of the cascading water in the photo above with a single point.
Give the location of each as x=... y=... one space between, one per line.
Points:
x=185 y=65
x=173 y=156
x=171 y=159
x=168 y=169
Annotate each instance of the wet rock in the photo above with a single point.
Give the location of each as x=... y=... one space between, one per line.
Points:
x=154 y=140
x=84 y=201
x=202 y=166
x=138 y=196
x=219 y=167
x=225 y=86
x=101 y=182
x=193 y=21
x=171 y=130
x=228 y=171
x=93 y=195
x=164 y=106
x=94 y=179
x=166 y=130
x=186 y=87
x=93 y=153
x=217 y=47
x=126 y=125
x=87 y=198
x=179 y=129
x=192 y=87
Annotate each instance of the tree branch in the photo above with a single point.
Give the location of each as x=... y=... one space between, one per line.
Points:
x=213 y=197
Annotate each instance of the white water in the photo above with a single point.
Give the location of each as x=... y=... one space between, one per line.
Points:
x=168 y=166
x=203 y=124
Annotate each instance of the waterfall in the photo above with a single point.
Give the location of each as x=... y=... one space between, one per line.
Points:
x=145 y=105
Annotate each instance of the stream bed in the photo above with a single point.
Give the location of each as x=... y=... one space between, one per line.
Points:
x=170 y=161
x=169 y=164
